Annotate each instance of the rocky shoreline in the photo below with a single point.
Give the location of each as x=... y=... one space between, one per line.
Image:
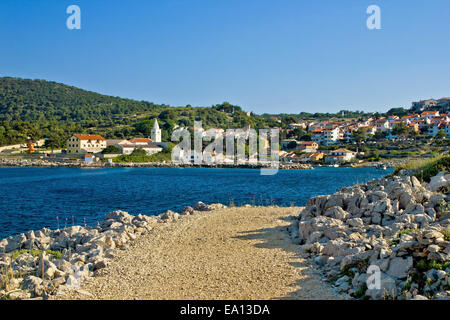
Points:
x=78 y=164
x=395 y=225
x=47 y=262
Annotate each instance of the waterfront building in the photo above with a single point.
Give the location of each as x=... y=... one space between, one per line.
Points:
x=340 y=155
x=85 y=143
x=149 y=148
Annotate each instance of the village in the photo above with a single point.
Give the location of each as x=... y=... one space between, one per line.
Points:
x=328 y=142
x=427 y=124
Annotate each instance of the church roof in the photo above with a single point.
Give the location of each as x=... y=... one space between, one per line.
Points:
x=156 y=125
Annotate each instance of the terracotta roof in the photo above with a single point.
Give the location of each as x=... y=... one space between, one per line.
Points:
x=308 y=143
x=409 y=116
x=89 y=137
x=342 y=150
x=429 y=112
x=144 y=146
x=140 y=140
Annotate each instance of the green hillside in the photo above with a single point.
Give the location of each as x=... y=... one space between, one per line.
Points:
x=43 y=109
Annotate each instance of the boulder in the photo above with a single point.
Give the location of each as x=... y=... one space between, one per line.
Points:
x=19 y=295
x=200 y=206
x=405 y=200
x=169 y=216
x=15 y=243
x=337 y=213
x=100 y=264
x=387 y=288
x=120 y=216
x=335 y=200
x=34 y=285
x=73 y=282
x=216 y=206
x=414 y=208
x=399 y=267
x=49 y=268
x=187 y=211
x=355 y=222
x=439 y=181
x=376 y=218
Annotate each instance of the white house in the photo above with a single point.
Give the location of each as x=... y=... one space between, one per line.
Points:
x=149 y=148
x=436 y=127
x=331 y=136
x=429 y=114
x=340 y=155
x=382 y=125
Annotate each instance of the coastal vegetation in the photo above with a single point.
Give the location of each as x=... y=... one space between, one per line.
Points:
x=139 y=156
x=424 y=169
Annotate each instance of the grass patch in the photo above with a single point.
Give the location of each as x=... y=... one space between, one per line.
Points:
x=447 y=235
x=424 y=169
x=139 y=156
x=36 y=253
x=361 y=292
x=406 y=231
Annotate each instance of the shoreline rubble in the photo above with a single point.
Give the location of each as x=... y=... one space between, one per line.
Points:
x=395 y=225
x=71 y=164
x=47 y=262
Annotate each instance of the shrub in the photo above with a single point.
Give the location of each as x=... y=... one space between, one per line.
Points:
x=425 y=169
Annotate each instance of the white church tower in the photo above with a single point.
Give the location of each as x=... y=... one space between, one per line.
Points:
x=156 y=132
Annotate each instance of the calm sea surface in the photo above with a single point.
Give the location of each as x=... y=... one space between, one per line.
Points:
x=32 y=198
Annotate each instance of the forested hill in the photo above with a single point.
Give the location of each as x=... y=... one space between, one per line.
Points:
x=39 y=100
x=43 y=109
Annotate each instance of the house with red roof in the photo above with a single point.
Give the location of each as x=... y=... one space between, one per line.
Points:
x=85 y=144
x=429 y=114
x=340 y=155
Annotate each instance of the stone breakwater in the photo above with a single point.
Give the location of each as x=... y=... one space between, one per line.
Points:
x=396 y=226
x=49 y=262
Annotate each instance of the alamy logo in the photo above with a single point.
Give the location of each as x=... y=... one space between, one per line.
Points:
x=373 y=280
x=374 y=20
x=74 y=20
x=262 y=149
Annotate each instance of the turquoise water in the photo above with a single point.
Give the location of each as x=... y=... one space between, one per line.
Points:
x=33 y=198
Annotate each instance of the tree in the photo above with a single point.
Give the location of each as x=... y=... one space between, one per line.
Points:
x=440 y=135
x=306 y=137
x=52 y=142
x=298 y=133
x=138 y=152
x=359 y=135
x=401 y=130
x=292 y=145
x=111 y=150
x=379 y=135
x=399 y=112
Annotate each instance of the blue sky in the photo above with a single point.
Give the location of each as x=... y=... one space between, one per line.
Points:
x=264 y=55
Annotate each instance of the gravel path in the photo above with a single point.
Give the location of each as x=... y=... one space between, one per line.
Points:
x=234 y=253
